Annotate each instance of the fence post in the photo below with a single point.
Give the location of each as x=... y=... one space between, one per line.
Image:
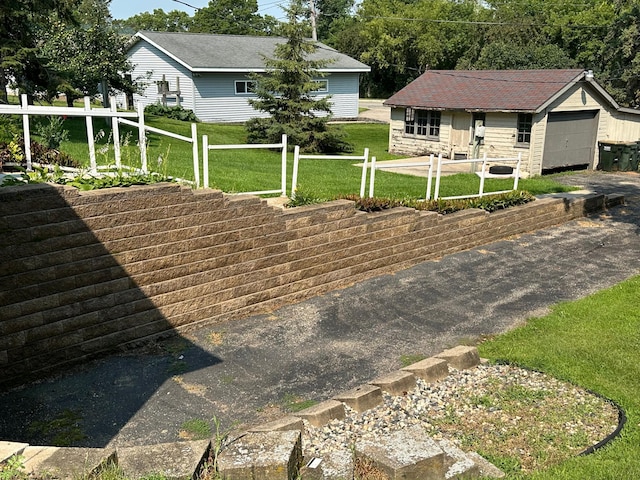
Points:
x=196 y=162
x=438 y=173
x=284 y=166
x=205 y=161
x=429 y=175
x=115 y=130
x=294 y=179
x=372 y=178
x=515 y=180
x=363 y=180
x=25 y=126
x=484 y=166
x=142 y=137
x=90 y=138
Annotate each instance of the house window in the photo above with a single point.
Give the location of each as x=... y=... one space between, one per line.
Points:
x=425 y=123
x=525 y=120
x=322 y=86
x=244 y=87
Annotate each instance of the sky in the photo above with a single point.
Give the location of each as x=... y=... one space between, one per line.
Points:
x=121 y=9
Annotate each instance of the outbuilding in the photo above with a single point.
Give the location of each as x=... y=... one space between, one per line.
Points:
x=555 y=118
x=209 y=73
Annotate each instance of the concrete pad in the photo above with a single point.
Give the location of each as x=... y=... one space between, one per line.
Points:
x=262 y=456
x=396 y=383
x=66 y=462
x=337 y=466
x=280 y=425
x=9 y=449
x=408 y=454
x=430 y=369
x=171 y=460
x=461 y=357
x=323 y=413
x=361 y=398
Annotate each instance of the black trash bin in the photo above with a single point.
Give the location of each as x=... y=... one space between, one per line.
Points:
x=610 y=153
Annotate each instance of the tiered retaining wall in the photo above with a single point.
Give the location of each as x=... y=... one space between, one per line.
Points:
x=84 y=273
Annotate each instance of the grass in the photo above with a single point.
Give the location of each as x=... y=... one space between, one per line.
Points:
x=594 y=343
x=252 y=170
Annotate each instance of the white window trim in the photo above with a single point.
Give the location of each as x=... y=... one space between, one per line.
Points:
x=324 y=89
x=246 y=87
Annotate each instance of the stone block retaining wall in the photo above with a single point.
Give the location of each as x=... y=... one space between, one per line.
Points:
x=84 y=273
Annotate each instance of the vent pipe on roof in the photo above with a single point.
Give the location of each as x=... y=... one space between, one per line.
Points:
x=588 y=75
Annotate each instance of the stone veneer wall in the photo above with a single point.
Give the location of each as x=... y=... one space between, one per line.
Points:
x=84 y=273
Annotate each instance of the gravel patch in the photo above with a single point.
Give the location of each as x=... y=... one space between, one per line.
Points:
x=526 y=420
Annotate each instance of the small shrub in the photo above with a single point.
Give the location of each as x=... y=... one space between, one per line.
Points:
x=14 y=152
x=175 y=112
x=51 y=130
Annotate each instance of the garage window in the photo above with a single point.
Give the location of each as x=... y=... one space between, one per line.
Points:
x=525 y=120
x=424 y=123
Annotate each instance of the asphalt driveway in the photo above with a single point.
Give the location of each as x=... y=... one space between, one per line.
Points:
x=251 y=370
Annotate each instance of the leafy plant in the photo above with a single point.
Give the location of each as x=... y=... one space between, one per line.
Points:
x=13 y=469
x=51 y=130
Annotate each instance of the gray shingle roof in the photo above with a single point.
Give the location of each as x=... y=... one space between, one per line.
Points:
x=485 y=90
x=205 y=52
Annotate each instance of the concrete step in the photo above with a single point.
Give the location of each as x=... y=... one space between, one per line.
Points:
x=11 y=449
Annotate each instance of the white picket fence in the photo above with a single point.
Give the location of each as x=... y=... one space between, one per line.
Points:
x=439 y=163
x=89 y=113
x=282 y=146
x=364 y=158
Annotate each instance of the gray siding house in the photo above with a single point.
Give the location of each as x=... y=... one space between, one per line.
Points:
x=210 y=72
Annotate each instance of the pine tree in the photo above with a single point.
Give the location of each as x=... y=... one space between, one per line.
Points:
x=286 y=93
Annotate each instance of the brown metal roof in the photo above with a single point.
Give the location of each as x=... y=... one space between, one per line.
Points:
x=484 y=90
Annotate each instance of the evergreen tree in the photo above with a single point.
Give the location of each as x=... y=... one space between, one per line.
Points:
x=286 y=93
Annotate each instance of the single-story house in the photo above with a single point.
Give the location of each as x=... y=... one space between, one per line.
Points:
x=209 y=73
x=555 y=118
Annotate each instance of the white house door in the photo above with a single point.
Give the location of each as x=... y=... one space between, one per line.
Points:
x=460 y=133
x=570 y=139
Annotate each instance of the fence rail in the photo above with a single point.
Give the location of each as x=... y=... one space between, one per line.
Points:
x=297 y=157
x=282 y=145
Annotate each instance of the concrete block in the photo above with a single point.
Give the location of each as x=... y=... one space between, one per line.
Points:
x=9 y=449
x=323 y=413
x=262 y=456
x=337 y=466
x=430 y=369
x=405 y=454
x=486 y=468
x=66 y=462
x=457 y=463
x=280 y=425
x=171 y=460
x=361 y=398
x=461 y=357
x=396 y=383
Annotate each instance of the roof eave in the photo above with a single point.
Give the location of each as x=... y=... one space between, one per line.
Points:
x=263 y=70
x=163 y=50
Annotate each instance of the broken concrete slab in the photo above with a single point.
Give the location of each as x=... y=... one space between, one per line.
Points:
x=430 y=369
x=396 y=383
x=461 y=357
x=361 y=398
x=457 y=463
x=408 y=454
x=66 y=462
x=9 y=449
x=171 y=460
x=262 y=456
x=322 y=413
x=487 y=469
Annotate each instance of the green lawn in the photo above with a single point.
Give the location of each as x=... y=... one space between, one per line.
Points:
x=593 y=343
x=254 y=170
